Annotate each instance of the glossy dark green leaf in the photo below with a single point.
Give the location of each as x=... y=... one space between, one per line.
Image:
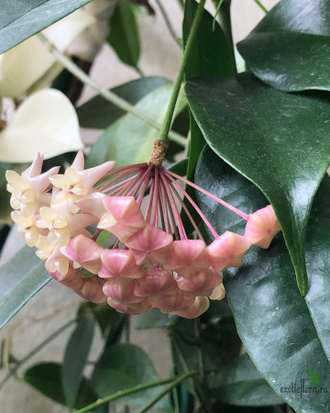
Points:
x=283 y=332
x=154 y=318
x=122 y=366
x=24 y=18
x=130 y=140
x=210 y=55
x=99 y=113
x=47 y=378
x=20 y=279
x=290 y=48
x=279 y=141
x=103 y=313
x=240 y=384
x=75 y=358
x=124 y=35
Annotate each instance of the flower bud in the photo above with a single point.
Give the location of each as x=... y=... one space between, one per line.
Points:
x=228 y=251
x=119 y=263
x=201 y=282
x=156 y=281
x=199 y=306
x=262 y=227
x=150 y=245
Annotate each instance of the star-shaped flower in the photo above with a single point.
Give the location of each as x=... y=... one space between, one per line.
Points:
x=76 y=182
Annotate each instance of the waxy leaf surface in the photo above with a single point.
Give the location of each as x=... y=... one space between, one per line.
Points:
x=279 y=141
x=20 y=279
x=24 y=18
x=284 y=333
x=290 y=47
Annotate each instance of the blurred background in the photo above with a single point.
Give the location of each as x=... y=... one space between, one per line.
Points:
x=56 y=304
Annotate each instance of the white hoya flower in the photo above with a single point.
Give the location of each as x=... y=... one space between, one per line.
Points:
x=46 y=122
x=30 y=66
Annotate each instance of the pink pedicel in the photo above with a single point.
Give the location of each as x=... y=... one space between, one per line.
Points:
x=228 y=251
x=187 y=256
x=119 y=263
x=156 y=282
x=262 y=227
x=85 y=252
x=150 y=245
x=150 y=262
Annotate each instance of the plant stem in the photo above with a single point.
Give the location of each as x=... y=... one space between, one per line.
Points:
x=164 y=134
x=197 y=325
x=13 y=371
x=107 y=94
x=195 y=380
x=168 y=23
x=263 y=8
x=163 y=393
x=135 y=389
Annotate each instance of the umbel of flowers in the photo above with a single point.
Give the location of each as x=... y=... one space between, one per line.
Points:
x=151 y=263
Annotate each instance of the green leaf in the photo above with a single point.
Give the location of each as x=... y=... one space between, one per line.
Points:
x=24 y=18
x=154 y=318
x=271 y=135
x=124 y=35
x=290 y=47
x=310 y=373
x=130 y=140
x=122 y=366
x=283 y=332
x=75 y=358
x=99 y=113
x=20 y=279
x=240 y=384
x=210 y=55
x=103 y=313
x=47 y=378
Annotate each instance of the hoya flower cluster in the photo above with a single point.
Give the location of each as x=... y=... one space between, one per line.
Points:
x=151 y=263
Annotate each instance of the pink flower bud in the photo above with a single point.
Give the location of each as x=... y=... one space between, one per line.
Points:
x=186 y=256
x=262 y=227
x=150 y=245
x=124 y=217
x=228 y=251
x=200 y=305
x=156 y=281
x=131 y=308
x=85 y=252
x=200 y=283
x=218 y=293
x=121 y=292
x=171 y=302
x=72 y=279
x=91 y=290
x=119 y=263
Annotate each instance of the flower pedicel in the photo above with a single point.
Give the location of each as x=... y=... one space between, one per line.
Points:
x=152 y=263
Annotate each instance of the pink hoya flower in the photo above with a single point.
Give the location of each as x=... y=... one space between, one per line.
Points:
x=84 y=252
x=198 y=307
x=150 y=245
x=228 y=251
x=124 y=218
x=156 y=282
x=202 y=282
x=119 y=263
x=151 y=262
x=262 y=227
x=121 y=291
x=187 y=256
